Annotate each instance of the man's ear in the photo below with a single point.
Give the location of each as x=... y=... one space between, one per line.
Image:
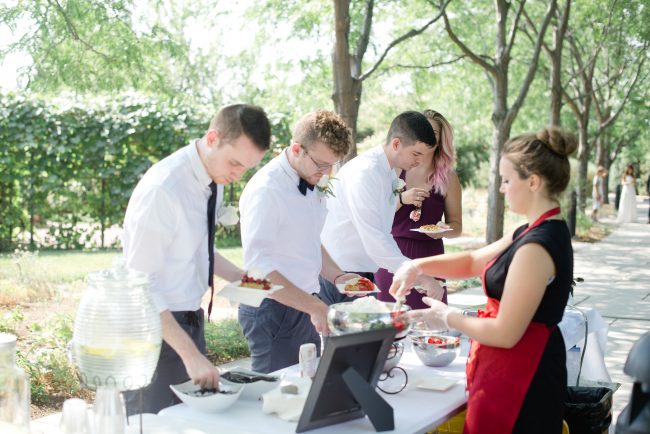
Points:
x=294 y=148
x=395 y=142
x=212 y=138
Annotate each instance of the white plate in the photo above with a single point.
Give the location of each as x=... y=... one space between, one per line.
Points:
x=249 y=296
x=341 y=288
x=437 y=383
x=439 y=231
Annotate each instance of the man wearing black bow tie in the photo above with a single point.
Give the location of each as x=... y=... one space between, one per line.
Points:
x=282 y=213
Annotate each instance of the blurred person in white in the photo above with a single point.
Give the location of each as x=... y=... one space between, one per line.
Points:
x=357 y=231
x=516 y=371
x=283 y=210
x=598 y=192
x=627 y=205
x=169 y=234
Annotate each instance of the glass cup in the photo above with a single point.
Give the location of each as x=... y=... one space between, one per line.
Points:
x=74 y=418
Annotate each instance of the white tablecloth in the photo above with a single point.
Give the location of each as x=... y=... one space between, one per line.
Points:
x=415 y=410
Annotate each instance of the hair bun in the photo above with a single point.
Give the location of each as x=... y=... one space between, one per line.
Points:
x=559 y=141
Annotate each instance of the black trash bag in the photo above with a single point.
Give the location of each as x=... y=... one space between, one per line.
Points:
x=588 y=410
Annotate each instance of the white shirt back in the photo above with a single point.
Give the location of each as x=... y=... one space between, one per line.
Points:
x=357 y=232
x=280 y=228
x=165 y=229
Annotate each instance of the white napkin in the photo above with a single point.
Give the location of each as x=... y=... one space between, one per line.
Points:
x=287 y=406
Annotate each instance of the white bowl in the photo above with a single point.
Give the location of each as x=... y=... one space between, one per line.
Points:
x=255 y=389
x=208 y=404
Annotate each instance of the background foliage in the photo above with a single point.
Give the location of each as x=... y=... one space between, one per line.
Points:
x=112 y=87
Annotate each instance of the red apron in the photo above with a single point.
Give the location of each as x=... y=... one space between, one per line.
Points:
x=498 y=378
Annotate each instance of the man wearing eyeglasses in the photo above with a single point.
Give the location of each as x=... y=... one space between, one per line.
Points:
x=357 y=232
x=282 y=214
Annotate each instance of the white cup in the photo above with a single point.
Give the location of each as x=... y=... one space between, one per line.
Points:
x=74 y=418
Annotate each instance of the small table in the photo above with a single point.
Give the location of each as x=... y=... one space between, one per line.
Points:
x=416 y=410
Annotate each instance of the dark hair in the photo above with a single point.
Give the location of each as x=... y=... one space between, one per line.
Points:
x=234 y=120
x=545 y=154
x=411 y=127
x=323 y=126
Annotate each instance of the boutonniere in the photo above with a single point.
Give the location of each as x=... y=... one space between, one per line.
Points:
x=227 y=215
x=324 y=186
x=398 y=186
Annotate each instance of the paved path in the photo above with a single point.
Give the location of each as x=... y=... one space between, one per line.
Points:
x=617 y=283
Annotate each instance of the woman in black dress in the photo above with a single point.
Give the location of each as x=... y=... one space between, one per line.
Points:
x=516 y=372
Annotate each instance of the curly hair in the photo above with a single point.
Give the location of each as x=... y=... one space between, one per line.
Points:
x=444 y=155
x=545 y=154
x=326 y=127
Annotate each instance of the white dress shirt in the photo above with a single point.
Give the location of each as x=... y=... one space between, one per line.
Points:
x=166 y=229
x=280 y=228
x=357 y=232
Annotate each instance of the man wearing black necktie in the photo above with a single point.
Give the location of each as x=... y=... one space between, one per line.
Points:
x=169 y=234
x=282 y=213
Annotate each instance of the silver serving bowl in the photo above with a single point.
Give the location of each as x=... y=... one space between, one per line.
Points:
x=342 y=321
x=432 y=353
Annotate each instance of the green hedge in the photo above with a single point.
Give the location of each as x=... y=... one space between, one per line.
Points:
x=68 y=166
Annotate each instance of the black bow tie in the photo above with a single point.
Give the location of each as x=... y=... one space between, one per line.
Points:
x=303 y=186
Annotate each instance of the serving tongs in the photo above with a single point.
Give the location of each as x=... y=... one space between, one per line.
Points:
x=244 y=377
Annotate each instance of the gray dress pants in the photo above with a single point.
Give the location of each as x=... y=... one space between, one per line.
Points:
x=275 y=332
x=170 y=369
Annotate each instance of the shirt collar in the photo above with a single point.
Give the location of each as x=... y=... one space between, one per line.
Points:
x=197 y=165
x=286 y=167
x=381 y=157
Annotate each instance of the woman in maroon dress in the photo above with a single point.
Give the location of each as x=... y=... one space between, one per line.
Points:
x=432 y=191
x=516 y=371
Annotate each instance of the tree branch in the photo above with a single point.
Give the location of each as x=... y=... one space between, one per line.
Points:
x=572 y=103
x=362 y=46
x=637 y=74
x=73 y=30
x=469 y=53
x=410 y=34
x=513 y=29
x=532 y=69
x=430 y=66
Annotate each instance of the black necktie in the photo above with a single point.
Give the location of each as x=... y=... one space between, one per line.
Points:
x=212 y=203
x=303 y=186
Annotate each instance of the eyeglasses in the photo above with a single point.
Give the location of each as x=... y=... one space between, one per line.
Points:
x=319 y=166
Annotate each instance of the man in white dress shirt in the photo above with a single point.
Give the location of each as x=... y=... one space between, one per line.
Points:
x=282 y=215
x=357 y=232
x=166 y=235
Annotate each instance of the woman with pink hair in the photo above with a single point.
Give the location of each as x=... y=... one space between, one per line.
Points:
x=432 y=191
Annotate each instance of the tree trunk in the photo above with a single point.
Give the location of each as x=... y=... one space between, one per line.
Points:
x=501 y=124
x=556 y=88
x=347 y=89
x=583 y=162
x=556 y=66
